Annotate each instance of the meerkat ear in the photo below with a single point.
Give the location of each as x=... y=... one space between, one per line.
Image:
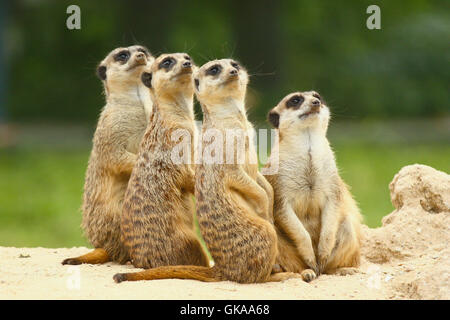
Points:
x=274 y=118
x=146 y=78
x=101 y=72
x=197 y=83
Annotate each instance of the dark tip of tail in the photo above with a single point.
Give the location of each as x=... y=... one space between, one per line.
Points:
x=71 y=261
x=119 y=277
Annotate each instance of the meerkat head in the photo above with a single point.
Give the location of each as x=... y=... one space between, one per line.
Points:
x=122 y=68
x=170 y=76
x=219 y=81
x=300 y=110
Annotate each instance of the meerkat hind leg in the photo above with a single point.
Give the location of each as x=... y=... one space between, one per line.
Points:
x=344 y=258
x=96 y=256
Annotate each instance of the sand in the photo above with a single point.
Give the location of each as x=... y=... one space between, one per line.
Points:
x=407 y=258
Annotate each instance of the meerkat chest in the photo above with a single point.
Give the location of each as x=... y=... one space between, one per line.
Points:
x=305 y=173
x=134 y=125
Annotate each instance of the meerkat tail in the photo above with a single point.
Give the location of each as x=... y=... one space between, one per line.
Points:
x=281 y=276
x=205 y=274
x=96 y=256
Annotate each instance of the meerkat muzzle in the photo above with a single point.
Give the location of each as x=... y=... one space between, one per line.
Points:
x=231 y=78
x=140 y=57
x=315 y=108
x=138 y=60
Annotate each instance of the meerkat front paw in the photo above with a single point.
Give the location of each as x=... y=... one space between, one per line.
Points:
x=347 y=271
x=308 y=275
x=312 y=264
x=322 y=264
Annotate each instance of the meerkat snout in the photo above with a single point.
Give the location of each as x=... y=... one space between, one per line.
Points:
x=140 y=57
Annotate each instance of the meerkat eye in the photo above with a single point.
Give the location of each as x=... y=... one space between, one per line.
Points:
x=167 y=63
x=235 y=65
x=187 y=57
x=214 y=70
x=316 y=95
x=295 y=101
x=143 y=51
x=122 y=56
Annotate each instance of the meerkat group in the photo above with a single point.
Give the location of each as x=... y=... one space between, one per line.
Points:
x=139 y=201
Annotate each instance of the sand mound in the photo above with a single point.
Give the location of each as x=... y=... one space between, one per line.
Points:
x=415 y=237
x=407 y=258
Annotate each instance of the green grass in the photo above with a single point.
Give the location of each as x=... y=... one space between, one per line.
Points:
x=40 y=197
x=368 y=170
x=41 y=189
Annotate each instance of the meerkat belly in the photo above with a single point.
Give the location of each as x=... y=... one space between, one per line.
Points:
x=308 y=197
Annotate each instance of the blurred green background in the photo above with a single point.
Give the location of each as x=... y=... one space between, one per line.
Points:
x=388 y=89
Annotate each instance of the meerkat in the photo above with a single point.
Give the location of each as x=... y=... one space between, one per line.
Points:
x=313 y=208
x=158 y=210
x=116 y=141
x=232 y=208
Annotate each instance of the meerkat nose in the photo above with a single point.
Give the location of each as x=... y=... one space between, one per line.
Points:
x=187 y=64
x=140 y=56
x=233 y=72
x=315 y=102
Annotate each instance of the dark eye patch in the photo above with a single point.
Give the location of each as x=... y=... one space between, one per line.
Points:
x=234 y=64
x=167 y=63
x=143 y=50
x=316 y=95
x=295 y=102
x=122 y=56
x=187 y=57
x=214 y=70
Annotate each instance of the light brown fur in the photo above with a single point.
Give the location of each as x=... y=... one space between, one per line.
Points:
x=158 y=210
x=317 y=219
x=115 y=146
x=232 y=208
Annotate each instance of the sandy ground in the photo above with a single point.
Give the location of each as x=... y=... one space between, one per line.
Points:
x=407 y=258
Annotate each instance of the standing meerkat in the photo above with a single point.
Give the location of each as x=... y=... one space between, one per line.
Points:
x=158 y=210
x=116 y=142
x=232 y=208
x=313 y=209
